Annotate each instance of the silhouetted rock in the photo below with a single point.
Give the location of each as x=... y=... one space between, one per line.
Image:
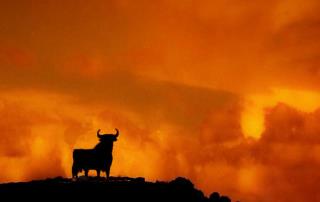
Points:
x=113 y=189
x=182 y=182
x=224 y=199
x=214 y=197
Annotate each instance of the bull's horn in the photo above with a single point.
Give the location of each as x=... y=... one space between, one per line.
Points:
x=117 y=134
x=98 y=134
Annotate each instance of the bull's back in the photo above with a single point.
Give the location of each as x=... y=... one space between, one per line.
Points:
x=83 y=154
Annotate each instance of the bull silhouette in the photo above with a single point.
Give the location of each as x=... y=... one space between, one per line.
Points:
x=99 y=158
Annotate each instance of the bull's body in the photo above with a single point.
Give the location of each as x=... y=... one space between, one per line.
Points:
x=90 y=159
x=98 y=158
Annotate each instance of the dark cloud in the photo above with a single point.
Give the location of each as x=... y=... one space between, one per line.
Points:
x=286 y=124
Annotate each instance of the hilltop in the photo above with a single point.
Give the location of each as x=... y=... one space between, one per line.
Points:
x=115 y=189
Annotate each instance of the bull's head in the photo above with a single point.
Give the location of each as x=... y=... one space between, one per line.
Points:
x=108 y=137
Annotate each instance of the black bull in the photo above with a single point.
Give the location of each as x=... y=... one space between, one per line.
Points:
x=99 y=158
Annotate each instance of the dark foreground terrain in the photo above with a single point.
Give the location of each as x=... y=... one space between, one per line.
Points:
x=98 y=189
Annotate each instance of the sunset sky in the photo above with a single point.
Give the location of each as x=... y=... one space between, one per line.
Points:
x=226 y=93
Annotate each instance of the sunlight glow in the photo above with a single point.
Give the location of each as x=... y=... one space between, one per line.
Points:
x=252 y=119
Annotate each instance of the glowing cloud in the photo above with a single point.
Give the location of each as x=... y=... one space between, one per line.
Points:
x=252 y=120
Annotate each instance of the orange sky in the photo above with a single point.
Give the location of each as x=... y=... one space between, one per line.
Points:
x=223 y=92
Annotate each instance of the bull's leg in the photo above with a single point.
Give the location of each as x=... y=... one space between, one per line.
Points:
x=108 y=168
x=108 y=172
x=74 y=171
x=98 y=172
x=86 y=172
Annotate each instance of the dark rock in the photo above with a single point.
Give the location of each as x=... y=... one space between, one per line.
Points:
x=113 y=189
x=214 y=197
x=224 y=199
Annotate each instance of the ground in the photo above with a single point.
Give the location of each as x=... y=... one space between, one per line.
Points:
x=114 y=189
